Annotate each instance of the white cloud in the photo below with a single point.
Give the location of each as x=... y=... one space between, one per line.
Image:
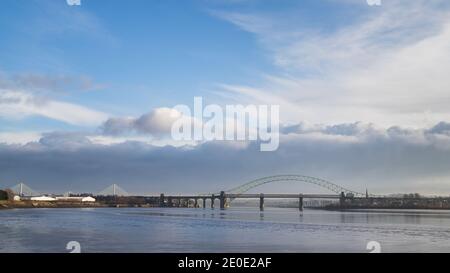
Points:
x=19 y=104
x=19 y=137
x=159 y=120
x=388 y=66
x=158 y=142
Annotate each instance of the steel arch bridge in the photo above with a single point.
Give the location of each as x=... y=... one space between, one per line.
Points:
x=295 y=178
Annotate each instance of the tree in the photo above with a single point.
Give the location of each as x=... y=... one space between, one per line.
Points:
x=10 y=194
x=3 y=195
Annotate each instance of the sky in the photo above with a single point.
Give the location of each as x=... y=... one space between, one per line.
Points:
x=87 y=92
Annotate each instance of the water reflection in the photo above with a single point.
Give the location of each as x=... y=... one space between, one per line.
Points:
x=231 y=230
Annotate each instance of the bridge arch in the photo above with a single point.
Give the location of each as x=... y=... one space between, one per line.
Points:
x=296 y=178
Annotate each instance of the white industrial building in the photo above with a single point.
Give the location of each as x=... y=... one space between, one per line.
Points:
x=43 y=198
x=76 y=199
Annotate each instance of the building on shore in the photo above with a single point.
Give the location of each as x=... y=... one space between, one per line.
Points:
x=76 y=199
x=43 y=198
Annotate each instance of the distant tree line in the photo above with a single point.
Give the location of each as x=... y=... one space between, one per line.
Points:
x=6 y=195
x=80 y=194
x=412 y=195
x=3 y=195
x=132 y=200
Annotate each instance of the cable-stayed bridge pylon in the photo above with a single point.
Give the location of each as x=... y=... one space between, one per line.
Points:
x=22 y=189
x=113 y=190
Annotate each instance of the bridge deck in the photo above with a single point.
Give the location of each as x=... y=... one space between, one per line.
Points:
x=257 y=195
x=289 y=195
x=283 y=195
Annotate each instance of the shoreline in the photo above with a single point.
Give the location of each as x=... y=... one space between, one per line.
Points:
x=4 y=205
x=34 y=204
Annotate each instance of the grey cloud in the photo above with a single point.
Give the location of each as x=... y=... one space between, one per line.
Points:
x=13 y=98
x=64 y=140
x=57 y=83
x=349 y=129
x=396 y=131
x=118 y=126
x=291 y=128
x=441 y=128
x=156 y=122
x=383 y=163
x=343 y=129
x=9 y=100
x=48 y=83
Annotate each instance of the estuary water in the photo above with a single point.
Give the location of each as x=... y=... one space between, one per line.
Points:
x=231 y=230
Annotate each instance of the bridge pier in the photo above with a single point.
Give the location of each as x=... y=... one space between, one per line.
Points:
x=204 y=202
x=212 y=201
x=169 y=202
x=342 y=200
x=261 y=201
x=300 y=203
x=161 y=200
x=222 y=200
x=195 y=203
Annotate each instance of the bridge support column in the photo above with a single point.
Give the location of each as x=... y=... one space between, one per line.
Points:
x=222 y=200
x=300 y=203
x=204 y=202
x=161 y=200
x=342 y=200
x=212 y=201
x=169 y=202
x=195 y=203
x=261 y=201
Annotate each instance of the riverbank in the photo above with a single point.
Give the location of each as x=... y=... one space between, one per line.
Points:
x=33 y=204
x=60 y=204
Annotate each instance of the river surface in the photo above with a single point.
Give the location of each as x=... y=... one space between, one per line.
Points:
x=231 y=230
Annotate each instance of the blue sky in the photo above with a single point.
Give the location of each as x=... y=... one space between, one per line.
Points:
x=366 y=86
x=154 y=53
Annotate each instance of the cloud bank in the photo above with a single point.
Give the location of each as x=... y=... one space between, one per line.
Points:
x=356 y=155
